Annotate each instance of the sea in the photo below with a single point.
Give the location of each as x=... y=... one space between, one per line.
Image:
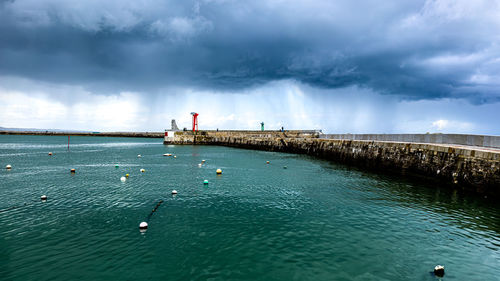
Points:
x=294 y=218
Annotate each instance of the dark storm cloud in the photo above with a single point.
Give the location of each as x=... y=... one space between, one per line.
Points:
x=413 y=49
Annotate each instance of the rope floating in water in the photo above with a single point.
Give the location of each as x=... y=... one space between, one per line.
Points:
x=144 y=225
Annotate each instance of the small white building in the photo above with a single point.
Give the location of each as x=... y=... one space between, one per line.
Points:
x=169 y=136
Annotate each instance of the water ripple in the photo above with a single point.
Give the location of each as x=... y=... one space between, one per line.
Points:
x=312 y=221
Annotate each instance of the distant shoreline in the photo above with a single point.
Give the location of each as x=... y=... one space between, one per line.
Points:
x=85 y=134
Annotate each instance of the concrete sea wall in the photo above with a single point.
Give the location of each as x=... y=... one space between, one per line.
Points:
x=460 y=139
x=473 y=169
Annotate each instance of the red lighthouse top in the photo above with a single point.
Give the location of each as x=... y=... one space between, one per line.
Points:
x=195 y=121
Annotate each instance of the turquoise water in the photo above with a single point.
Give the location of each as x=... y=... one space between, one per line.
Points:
x=314 y=220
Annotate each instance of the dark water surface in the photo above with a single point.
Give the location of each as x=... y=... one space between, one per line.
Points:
x=312 y=221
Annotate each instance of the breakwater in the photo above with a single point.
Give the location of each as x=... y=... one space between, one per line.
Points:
x=459 y=139
x=471 y=168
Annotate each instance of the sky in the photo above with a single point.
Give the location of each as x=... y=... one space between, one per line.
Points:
x=341 y=66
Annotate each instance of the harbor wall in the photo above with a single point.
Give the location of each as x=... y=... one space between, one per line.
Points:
x=469 y=168
x=460 y=139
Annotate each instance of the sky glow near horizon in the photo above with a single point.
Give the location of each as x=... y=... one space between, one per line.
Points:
x=343 y=67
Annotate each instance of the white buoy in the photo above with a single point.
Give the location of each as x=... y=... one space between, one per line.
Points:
x=175 y=156
x=199 y=165
x=219 y=171
x=123 y=179
x=50 y=153
x=174 y=191
x=43 y=197
x=8 y=167
x=139 y=156
x=202 y=161
x=143 y=225
x=142 y=170
x=439 y=270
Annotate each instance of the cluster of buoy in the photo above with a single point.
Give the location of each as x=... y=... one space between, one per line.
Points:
x=144 y=225
x=123 y=179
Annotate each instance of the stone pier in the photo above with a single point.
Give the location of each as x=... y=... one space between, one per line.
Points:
x=469 y=167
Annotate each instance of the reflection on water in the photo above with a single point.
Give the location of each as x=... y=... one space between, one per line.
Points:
x=314 y=220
